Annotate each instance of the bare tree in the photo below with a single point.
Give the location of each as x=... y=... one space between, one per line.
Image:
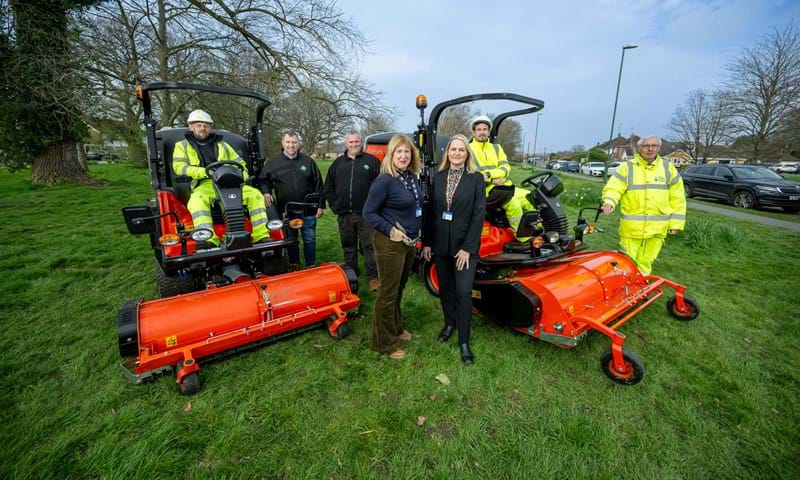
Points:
x=456 y=120
x=765 y=86
x=510 y=137
x=377 y=123
x=702 y=122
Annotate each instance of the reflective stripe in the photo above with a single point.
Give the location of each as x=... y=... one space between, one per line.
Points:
x=200 y=214
x=666 y=171
x=204 y=225
x=258 y=211
x=630 y=173
x=185 y=159
x=486 y=167
x=677 y=216
x=648 y=186
x=184 y=169
x=618 y=177
x=502 y=162
x=675 y=180
x=610 y=200
x=260 y=221
x=647 y=218
x=514 y=219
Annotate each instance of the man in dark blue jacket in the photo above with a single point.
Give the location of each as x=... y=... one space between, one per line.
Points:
x=346 y=187
x=292 y=176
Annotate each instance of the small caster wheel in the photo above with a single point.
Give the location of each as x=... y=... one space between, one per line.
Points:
x=632 y=371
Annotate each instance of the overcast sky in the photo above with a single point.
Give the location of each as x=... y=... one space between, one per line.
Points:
x=565 y=53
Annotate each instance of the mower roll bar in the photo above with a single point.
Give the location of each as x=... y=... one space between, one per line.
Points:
x=143 y=92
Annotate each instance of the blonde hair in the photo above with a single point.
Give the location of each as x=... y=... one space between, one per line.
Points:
x=469 y=163
x=397 y=141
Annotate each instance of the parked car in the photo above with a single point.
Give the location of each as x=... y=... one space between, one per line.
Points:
x=570 y=166
x=594 y=169
x=745 y=186
x=786 y=167
x=612 y=167
x=554 y=165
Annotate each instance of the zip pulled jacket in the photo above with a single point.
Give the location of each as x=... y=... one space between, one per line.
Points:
x=187 y=161
x=650 y=197
x=492 y=160
x=348 y=182
x=291 y=179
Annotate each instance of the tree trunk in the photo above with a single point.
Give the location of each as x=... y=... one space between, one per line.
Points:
x=57 y=163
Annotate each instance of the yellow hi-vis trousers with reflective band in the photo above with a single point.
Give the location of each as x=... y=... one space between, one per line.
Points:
x=199 y=206
x=643 y=251
x=515 y=207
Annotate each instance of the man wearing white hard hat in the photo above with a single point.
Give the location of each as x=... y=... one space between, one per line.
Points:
x=495 y=169
x=200 y=148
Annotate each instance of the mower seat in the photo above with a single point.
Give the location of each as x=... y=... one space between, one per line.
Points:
x=495 y=201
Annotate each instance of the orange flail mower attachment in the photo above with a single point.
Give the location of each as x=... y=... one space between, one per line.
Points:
x=184 y=329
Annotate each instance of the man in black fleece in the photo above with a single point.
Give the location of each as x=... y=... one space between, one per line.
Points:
x=346 y=187
x=291 y=175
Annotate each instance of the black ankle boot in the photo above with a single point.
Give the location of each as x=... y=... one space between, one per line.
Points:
x=444 y=335
x=466 y=354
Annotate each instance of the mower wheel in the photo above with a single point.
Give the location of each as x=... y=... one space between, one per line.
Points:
x=690 y=313
x=190 y=383
x=431 y=278
x=170 y=285
x=633 y=365
x=341 y=332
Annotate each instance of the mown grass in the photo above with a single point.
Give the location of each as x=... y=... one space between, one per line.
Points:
x=719 y=398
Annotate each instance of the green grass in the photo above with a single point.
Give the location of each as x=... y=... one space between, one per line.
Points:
x=719 y=399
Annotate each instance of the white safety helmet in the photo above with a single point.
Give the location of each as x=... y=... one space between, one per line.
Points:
x=480 y=119
x=200 y=116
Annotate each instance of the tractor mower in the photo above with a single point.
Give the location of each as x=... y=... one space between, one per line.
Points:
x=550 y=287
x=219 y=300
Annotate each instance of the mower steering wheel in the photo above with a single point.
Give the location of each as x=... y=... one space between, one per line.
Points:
x=212 y=167
x=534 y=181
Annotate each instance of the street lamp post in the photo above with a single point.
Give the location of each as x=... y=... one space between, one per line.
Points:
x=616 y=98
x=535 y=136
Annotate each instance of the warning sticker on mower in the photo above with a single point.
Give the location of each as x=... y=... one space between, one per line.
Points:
x=172 y=340
x=332 y=297
x=476 y=294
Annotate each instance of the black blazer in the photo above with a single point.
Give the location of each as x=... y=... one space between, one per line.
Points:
x=444 y=237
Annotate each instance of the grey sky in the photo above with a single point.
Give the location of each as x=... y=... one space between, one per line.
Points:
x=565 y=53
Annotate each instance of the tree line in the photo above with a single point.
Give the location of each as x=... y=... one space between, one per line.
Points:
x=755 y=112
x=71 y=65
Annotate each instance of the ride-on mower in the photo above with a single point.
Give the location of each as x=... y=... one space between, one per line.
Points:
x=219 y=300
x=550 y=287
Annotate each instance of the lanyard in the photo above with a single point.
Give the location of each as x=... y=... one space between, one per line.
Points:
x=411 y=188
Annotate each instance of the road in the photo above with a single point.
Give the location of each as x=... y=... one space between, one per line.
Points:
x=705 y=207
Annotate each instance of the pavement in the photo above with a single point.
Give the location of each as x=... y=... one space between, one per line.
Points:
x=705 y=207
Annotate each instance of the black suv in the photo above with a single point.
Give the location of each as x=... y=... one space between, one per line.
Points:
x=744 y=186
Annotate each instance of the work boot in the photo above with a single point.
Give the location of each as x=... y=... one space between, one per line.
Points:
x=466 y=354
x=445 y=334
x=373 y=284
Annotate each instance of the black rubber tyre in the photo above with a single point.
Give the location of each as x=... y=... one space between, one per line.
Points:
x=190 y=383
x=431 y=278
x=342 y=332
x=691 y=314
x=276 y=265
x=169 y=285
x=687 y=189
x=633 y=363
x=744 y=199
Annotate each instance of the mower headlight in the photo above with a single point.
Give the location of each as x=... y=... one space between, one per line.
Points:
x=296 y=223
x=552 y=237
x=201 y=234
x=274 y=225
x=169 y=239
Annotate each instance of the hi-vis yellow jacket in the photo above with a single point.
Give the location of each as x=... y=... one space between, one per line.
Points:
x=650 y=197
x=185 y=160
x=492 y=160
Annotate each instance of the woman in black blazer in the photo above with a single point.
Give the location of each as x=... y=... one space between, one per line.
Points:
x=452 y=236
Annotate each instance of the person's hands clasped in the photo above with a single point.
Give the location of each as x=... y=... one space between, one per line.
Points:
x=426 y=253
x=462 y=260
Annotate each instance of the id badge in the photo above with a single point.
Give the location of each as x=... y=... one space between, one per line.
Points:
x=447 y=215
x=419 y=211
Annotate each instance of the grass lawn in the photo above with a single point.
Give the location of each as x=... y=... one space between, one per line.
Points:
x=719 y=398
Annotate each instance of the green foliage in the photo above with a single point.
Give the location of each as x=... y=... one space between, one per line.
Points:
x=718 y=399
x=707 y=234
x=597 y=155
x=583 y=196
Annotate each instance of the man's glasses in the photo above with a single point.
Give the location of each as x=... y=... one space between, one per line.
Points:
x=650 y=146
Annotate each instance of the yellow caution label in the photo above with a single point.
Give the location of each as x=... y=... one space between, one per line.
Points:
x=331 y=297
x=172 y=340
x=485 y=231
x=571 y=309
x=476 y=294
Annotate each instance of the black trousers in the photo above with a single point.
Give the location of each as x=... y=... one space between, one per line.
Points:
x=455 y=292
x=352 y=231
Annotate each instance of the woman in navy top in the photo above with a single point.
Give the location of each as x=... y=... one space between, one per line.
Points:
x=394 y=209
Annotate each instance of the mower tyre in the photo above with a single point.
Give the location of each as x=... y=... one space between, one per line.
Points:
x=431 y=278
x=170 y=285
x=341 y=332
x=633 y=365
x=690 y=313
x=190 y=383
